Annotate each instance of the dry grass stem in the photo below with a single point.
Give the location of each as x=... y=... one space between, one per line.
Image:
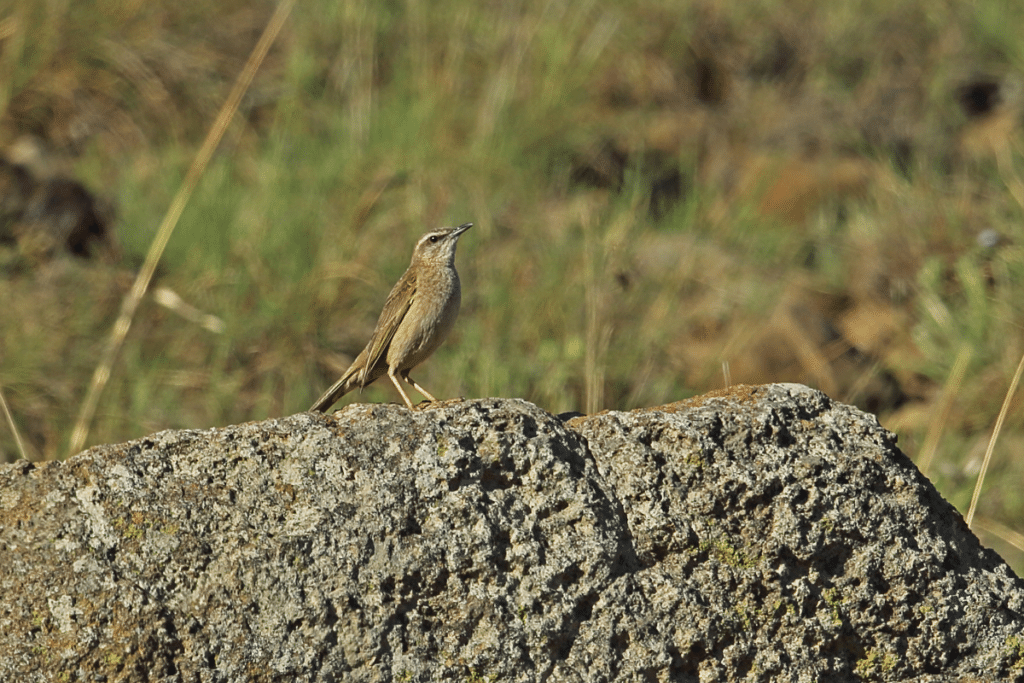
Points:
x=172 y=301
x=195 y=172
x=949 y=391
x=992 y=442
x=991 y=526
x=1010 y=177
x=14 y=427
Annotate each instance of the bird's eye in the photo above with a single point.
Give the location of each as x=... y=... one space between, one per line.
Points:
x=434 y=239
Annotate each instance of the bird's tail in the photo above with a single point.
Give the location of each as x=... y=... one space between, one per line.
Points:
x=348 y=382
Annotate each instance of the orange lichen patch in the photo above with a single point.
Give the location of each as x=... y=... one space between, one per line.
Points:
x=740 y=393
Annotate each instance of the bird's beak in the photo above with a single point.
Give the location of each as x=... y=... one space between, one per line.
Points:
x=461 y=229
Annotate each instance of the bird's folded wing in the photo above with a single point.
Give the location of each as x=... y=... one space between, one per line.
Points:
x=397 y=305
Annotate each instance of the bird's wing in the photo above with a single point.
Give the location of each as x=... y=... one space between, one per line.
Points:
x=391 y=317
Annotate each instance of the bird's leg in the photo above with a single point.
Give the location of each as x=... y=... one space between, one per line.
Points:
x=398 y=385
x=417 y=387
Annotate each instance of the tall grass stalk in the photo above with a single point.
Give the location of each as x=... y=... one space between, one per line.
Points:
x=14 y=427
x=156 y=250
x=12 y=33
x=1014 y=538
x=597 y=335
x=992 y=442
x=949 y=392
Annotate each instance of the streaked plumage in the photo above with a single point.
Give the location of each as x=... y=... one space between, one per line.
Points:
x=417 y=317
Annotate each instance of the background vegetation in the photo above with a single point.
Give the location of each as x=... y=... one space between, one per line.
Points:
x=667 y=198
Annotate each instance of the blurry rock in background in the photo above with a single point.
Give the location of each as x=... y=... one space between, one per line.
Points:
x=993 y=107
x=43 y=212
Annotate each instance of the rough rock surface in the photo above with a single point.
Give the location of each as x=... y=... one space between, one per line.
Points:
x=758 y=534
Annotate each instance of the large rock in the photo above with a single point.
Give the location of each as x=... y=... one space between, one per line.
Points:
x=760 y=534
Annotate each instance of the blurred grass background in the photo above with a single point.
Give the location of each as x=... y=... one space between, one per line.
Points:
x=666 y=199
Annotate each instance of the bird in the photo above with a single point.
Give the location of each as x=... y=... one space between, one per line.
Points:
x=419 y=313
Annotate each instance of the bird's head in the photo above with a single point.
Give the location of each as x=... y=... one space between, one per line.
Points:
x=438 y=246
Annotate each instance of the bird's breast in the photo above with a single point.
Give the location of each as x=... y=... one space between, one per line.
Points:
x=428 y=321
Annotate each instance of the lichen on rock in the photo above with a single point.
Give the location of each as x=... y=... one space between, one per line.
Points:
x=759 y=533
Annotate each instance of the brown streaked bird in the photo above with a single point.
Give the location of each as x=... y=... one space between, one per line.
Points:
x=418 y=315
